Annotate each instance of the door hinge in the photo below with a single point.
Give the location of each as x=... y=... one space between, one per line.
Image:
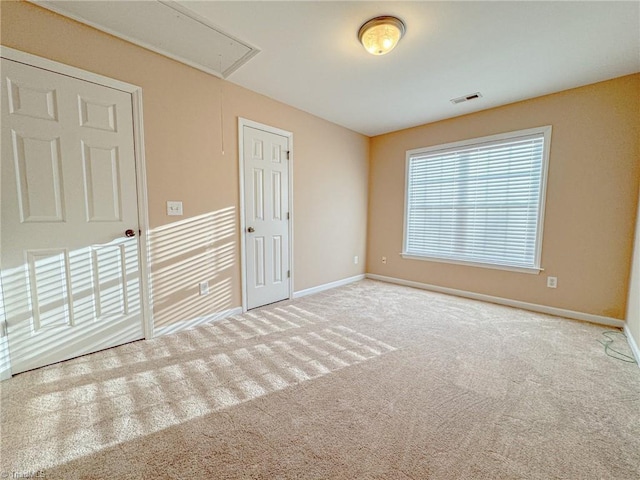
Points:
x=288 y=217
x=288 y=153
x=288 y=273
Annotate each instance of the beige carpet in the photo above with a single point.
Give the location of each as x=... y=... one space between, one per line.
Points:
x=368 y=381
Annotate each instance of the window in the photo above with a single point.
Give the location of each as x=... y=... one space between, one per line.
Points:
x=479 y=201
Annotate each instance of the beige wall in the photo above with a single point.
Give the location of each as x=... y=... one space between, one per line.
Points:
x=185 y=162
x=591 y=198
x=633 y=306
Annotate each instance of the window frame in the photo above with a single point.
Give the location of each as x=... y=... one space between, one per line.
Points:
x=546 y=133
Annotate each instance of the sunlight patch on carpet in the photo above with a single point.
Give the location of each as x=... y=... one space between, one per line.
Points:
x=79 y=412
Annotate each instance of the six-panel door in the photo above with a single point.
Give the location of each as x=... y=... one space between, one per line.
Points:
x=266 y=190
x=70 y=276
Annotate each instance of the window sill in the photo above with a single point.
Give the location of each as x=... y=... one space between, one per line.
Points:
x=529 y=270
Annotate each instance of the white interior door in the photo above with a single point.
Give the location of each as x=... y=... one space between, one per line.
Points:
x=266 y=205
x=70 y=274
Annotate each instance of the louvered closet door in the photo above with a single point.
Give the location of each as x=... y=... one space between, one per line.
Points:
x=70 y=276
x=266 y=190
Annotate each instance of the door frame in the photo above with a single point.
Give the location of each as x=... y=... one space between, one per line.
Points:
x=139 y=155
x=243 y=122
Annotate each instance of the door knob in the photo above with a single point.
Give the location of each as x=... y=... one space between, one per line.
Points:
x=129 y=233
x=251 y=229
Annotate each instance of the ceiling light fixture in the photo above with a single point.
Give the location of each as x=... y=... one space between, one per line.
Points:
x=381 y=34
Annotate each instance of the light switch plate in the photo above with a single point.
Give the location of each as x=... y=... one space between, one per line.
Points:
x=174 y=208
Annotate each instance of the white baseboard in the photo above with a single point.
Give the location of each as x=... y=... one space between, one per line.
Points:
x=327 y=286
x=186 y=325
x=559 y=312
x=632 y=344
x=5 y=361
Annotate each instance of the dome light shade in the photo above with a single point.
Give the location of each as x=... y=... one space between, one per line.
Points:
x=381 y=34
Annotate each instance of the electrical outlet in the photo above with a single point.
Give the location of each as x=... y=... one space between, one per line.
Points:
x=355 y=260
x=204 y=288
x=552 y=282
x=384 y=259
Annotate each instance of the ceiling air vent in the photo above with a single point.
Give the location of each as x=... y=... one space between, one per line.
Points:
x=466 y=98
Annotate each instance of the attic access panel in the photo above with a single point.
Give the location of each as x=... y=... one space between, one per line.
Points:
x=165 y=27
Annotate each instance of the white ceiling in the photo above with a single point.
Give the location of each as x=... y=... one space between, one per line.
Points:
x=508 y=51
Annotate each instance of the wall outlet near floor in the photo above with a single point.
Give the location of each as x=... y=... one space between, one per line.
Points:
x=552 y=282
x=384 y=259
x=355 y=260
x=204 y=288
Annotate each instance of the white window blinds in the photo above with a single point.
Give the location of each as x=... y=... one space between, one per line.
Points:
x=480 y=202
